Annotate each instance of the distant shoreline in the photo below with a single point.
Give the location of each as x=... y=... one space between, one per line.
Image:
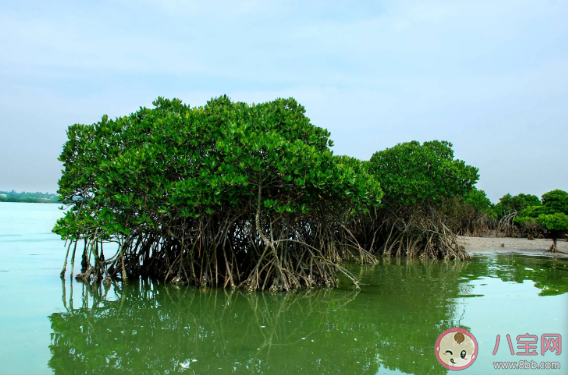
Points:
x=25 y=200
x=486 y=245
x=28 y=197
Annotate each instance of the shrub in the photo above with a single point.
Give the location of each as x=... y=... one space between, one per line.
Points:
x=551 y=215
x=556 y=201
x=517 y=203
x=556 y=224
x=479 y=201
x=417 y=179
x=469 y=215
x=411 y=173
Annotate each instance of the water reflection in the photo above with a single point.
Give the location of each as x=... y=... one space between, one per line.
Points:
x=390 y=326
x=549 y=274
x=152 y=328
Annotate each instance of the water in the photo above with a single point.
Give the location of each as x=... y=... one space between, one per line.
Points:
x=389 y=327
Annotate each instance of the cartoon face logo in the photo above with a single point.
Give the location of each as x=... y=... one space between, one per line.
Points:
x=456 y=349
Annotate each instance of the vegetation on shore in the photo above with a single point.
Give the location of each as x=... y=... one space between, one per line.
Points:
x=251 y=196
x=550 y=215
x=522 y=215
x=13 y=196
x=417 y=179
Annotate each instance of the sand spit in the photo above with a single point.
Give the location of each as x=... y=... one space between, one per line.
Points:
x=484 y=245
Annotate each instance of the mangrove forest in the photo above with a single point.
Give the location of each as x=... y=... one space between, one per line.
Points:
x=251 y=196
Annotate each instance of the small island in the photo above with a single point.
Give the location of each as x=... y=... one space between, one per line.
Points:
x=251 y=196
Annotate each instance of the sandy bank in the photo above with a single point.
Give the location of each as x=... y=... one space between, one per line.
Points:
x=484 y=245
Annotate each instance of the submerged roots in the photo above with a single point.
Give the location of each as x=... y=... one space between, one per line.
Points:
x=427 y=239
x=228 y=253
x=263 y=253
x=410 y=232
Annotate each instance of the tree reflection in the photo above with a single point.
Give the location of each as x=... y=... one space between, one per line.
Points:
x=550 y=274
x=151 y=328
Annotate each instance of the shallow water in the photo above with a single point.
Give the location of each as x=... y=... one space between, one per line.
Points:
x=389 y=327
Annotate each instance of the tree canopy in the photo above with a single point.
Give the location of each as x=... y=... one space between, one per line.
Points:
x=228 y=193
x=556 y=201
x=416 y=179
x=551 y=215
x=414 y=173
x=479 y=201
x=519 y=202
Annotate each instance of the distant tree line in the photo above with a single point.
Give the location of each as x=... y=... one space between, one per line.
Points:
x=522 y=215
x=535 y=217
x=26 y=197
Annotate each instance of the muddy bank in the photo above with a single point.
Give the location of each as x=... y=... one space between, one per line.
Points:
x=484 y=245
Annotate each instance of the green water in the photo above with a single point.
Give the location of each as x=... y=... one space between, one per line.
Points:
x=389 y=327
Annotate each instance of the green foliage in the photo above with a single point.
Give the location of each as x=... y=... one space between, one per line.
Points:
x=553 y=202
x=509 y=203
x=411 y=173
x=528 y=224
x=358 y=166
x=479 y=201
x=556 y=201
x=557 y=222
x=525 y=221
x=531 y=212
x=417 y=180
x=470 y=214
x=551 y=215
x=201 y=174
x=182 y=162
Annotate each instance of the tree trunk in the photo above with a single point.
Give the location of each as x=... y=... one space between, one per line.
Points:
x=553 y=248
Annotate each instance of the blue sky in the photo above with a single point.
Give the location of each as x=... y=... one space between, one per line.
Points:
x=489 y=76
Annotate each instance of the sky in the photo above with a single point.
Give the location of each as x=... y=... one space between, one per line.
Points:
x=489 y=76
